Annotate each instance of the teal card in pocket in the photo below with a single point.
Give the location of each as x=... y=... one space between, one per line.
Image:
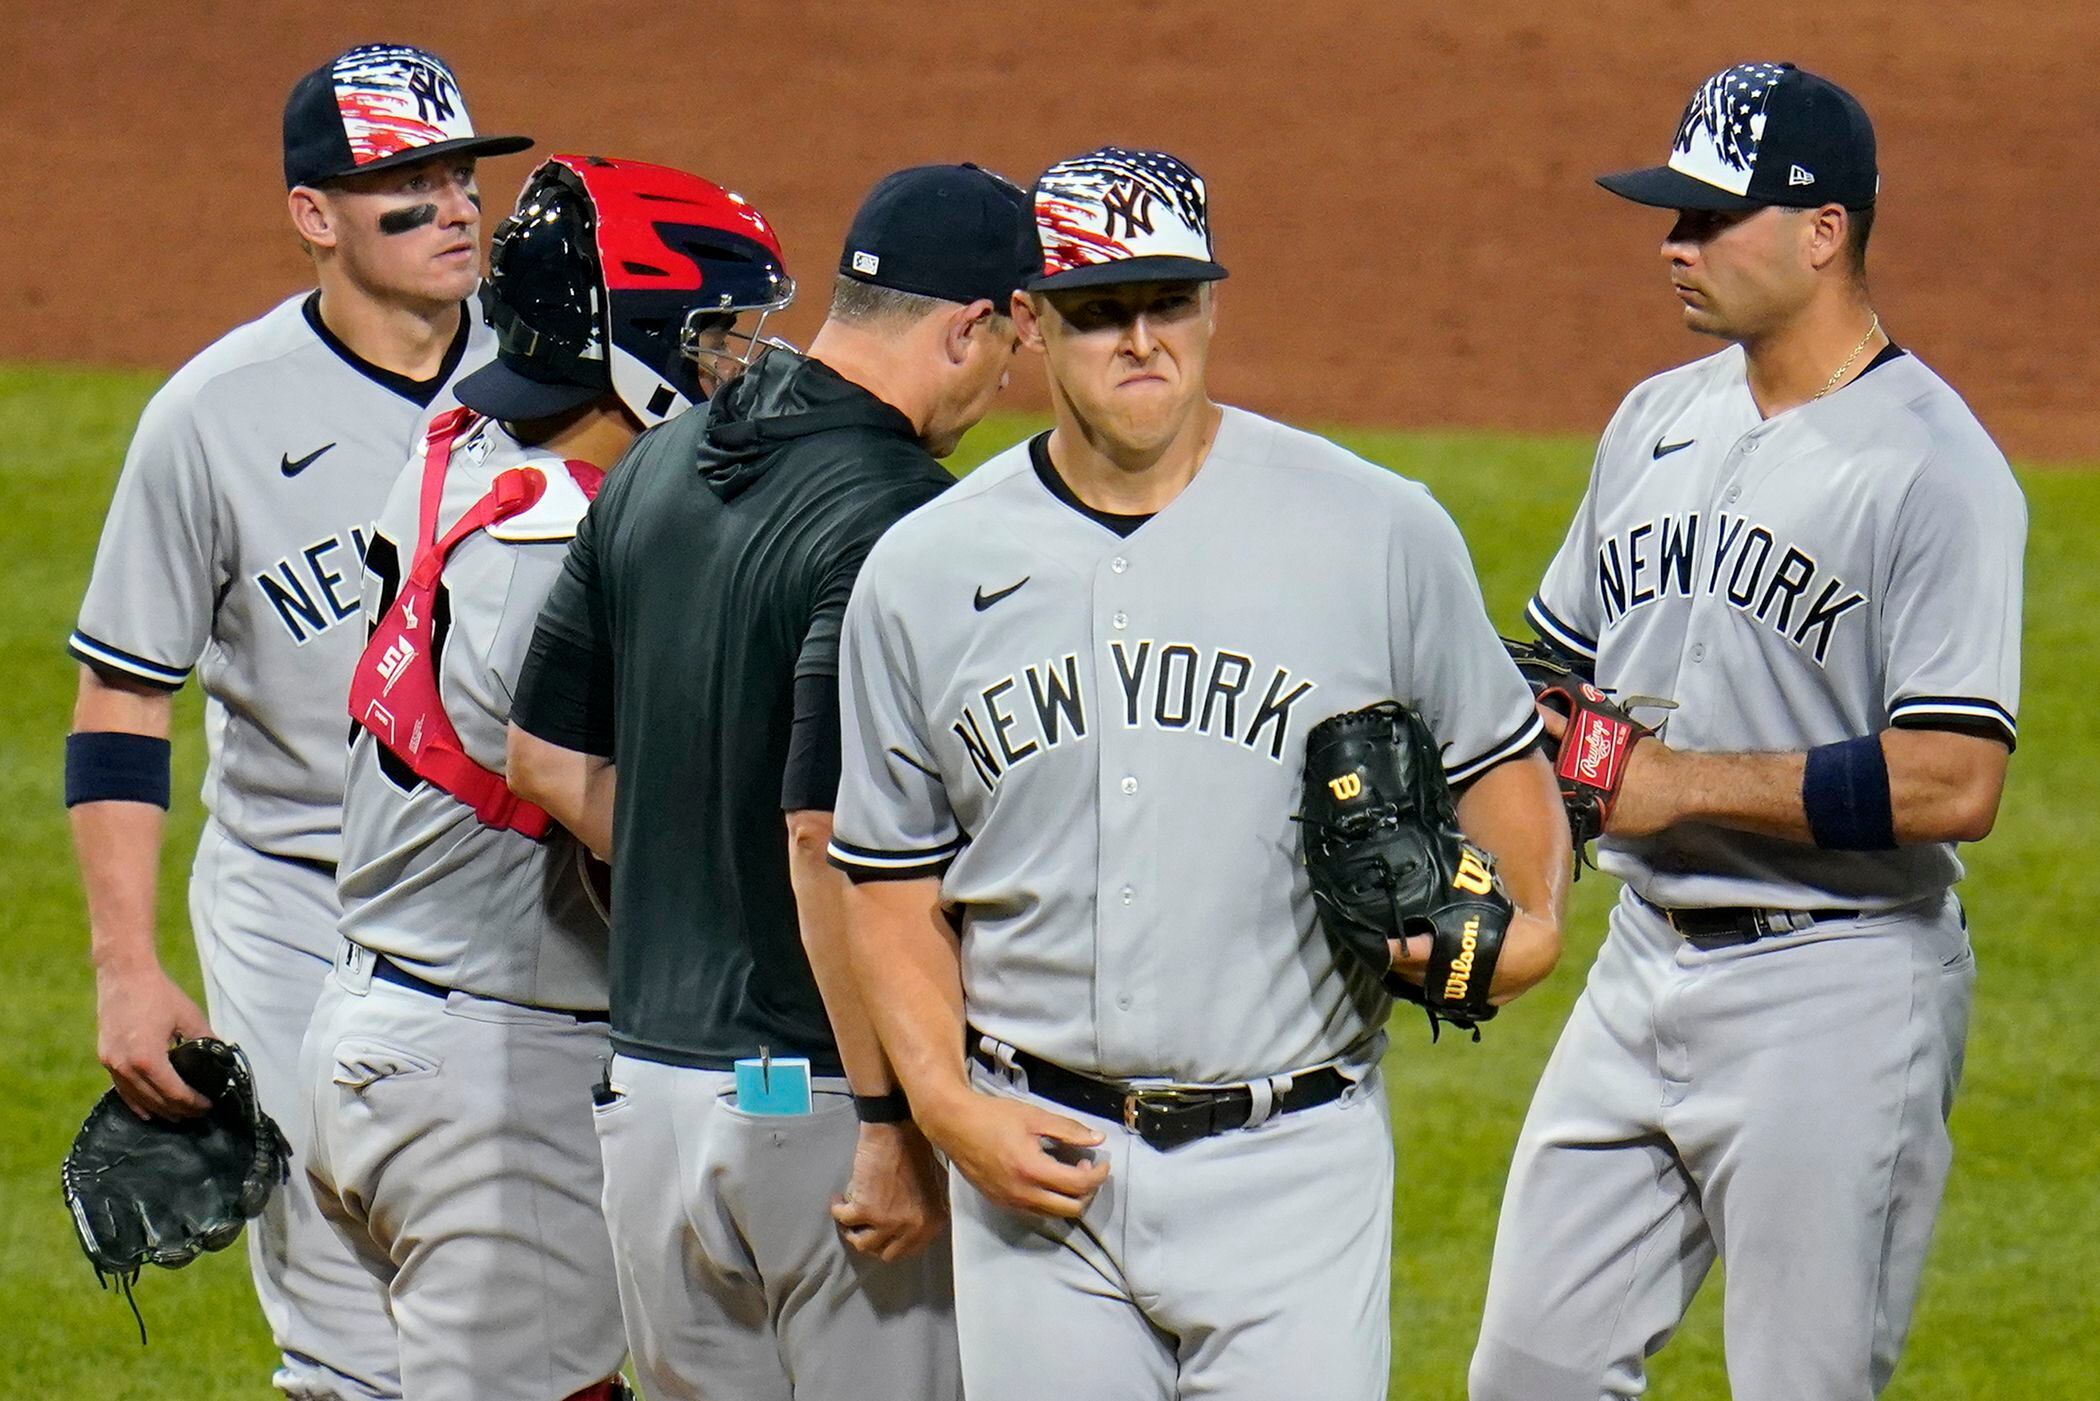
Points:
x=773 y=1086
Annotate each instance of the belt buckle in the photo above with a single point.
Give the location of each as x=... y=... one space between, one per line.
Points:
x=1167 y=1118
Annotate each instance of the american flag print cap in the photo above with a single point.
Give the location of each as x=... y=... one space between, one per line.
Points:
x=1120 y=214
x=1757 y=134
x=377 y=106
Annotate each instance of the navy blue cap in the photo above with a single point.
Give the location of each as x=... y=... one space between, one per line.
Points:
x=956 y=232
x=375 y=107
x=1761 y=134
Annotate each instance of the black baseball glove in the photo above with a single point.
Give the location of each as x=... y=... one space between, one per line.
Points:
x=162 y=1192
x=1386 y=860
x=1601 y=734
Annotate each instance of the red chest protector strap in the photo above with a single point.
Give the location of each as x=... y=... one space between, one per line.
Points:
x=394 y=692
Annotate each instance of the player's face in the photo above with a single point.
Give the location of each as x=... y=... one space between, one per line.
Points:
x=413 y=232
x=1131 y=359
x=1738 y=273
x=982 y=345
x=706 y=344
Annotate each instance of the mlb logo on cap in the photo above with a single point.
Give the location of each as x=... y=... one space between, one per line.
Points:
x=1118 y=215
x=378 y=106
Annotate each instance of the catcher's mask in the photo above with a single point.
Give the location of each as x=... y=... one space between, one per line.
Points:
x=624 y=276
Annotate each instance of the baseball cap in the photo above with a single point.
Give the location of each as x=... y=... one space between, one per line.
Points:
x=378 y=106
x=1759 y=134
x=1122 y=215
x=956 y=232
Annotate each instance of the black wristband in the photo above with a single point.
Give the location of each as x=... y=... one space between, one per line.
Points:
x=892 y=1108
x=110 y=766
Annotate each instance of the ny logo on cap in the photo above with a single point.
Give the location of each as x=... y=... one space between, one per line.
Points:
x=1130 y=202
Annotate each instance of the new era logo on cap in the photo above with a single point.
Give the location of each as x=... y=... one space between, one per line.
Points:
x=394 y=97
x=866 y=264
x=1122 y=215
x=1795 y=175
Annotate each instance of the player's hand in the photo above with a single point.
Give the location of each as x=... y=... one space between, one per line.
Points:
x=139 y=1014
x=1411 y=956
x=1021 y=1155
x=897 y=1201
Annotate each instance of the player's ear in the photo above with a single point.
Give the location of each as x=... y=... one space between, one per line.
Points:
x=311 y=216
x=1027 y=314
x=967 y=326
x=1824 y=235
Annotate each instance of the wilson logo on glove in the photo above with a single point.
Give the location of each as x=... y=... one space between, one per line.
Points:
x=1462 y=966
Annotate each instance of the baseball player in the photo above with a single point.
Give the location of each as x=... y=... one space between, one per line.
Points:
x=1808 y=542
x=233 y=541
x=680 y=703
x=1076 y=690
x=451 y=1056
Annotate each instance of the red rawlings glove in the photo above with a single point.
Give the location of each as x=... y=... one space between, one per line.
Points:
x=1599 y=739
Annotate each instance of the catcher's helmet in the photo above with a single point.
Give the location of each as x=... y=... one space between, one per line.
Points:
x=600 y=278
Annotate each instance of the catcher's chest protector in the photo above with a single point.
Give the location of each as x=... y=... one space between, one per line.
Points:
x=394 y=691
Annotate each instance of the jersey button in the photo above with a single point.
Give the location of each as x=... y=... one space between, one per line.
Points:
x=1698 y=651
x=1750 y=445
x=1123 y=1001
x=1119 y=564
x=1129 y=784
x=1121 y=620
x=1734 y=492
x=1129 y=895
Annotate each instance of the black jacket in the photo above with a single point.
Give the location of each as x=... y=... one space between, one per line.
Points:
x=698 y=615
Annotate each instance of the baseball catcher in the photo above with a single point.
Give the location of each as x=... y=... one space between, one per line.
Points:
x=1596 y=740
x=1387 y=861
x=164 y=1191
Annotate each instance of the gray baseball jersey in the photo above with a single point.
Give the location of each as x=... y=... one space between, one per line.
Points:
x=233 y=544
x=424 y=881
x=1847 y=566
x=1099 y=740
x=1850 y=564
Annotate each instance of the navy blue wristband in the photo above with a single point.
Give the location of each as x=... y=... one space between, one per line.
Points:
x=1845 y=792
x=108 y=766
x=891 y=1108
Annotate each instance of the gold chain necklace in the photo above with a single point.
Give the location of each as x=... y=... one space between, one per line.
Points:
x=1838 y=374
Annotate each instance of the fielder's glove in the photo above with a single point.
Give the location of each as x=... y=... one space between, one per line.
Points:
x=161 y=1191
x=1591 y=762
x=1386 y=860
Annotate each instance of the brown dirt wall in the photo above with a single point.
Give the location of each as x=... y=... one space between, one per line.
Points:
x=1402 y=190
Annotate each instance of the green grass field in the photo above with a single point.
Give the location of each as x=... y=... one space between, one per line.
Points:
x=2017 y=1244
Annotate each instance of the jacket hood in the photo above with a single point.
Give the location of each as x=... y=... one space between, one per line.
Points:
x=785 y=397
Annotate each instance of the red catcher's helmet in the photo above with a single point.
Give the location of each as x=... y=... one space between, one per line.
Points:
x=604 y=275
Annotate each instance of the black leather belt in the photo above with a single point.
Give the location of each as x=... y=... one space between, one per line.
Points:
x=1723 y=925
x=1164 y=1116
x=387 y=971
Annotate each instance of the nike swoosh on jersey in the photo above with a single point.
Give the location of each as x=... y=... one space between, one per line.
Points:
x=292 y=469
x=1663 y=449
x=986 y=600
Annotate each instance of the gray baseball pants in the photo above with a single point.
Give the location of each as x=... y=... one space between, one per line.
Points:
x=1781 y=1106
